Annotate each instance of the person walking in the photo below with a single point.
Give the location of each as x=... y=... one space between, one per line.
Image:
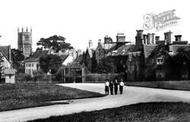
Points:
x=107 y=87
x=115 y=86
x=121 y=84
x=111 y=87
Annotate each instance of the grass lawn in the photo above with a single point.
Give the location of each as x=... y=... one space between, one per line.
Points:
x=16 y=96
x=143 y=112
x=173 y=85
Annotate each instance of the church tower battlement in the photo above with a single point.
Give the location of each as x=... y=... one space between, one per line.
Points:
x=25 y=41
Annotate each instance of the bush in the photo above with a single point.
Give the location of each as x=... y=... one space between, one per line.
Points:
x=22 y=77
x=40 y=76
x=59 y=75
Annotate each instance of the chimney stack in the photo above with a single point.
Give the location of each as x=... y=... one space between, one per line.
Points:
x=152 y=38
x=139 y=39
x=139 y=34
x=120 y=37
x=90 y=44
x=149 y=38
x=167 y=37
x=157 y=39
x=178 y=38
x=145 y=39
x=107 y=39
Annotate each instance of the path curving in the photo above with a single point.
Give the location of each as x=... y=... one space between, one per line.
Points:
x=131 y=95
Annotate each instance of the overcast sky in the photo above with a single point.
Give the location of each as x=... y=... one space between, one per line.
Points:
x=82 y=20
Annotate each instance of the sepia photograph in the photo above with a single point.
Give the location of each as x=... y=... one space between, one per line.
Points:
x=94 y=61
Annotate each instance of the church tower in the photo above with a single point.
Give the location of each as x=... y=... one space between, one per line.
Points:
x=25 y=41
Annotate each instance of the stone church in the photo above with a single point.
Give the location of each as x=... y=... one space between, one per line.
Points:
x=25 y=41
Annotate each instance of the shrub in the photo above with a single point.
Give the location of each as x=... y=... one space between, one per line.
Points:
x=22 y=77
x=40 y=76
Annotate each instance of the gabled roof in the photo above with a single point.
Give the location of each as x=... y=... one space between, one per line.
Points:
x=159 y=51
x=64 y=57
x=78 y=59
x=147 y=50
x=36 y=56
x=9 y=71
x=123 y=50
x=174 y=48
x=90 y=52
x=5 y=50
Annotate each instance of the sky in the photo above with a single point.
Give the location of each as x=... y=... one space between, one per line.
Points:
x=82 y=20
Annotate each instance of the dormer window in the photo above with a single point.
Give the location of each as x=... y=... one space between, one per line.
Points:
x=171 y=52
x=160 y=61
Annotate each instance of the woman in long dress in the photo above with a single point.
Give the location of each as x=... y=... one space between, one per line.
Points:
x=107 y=87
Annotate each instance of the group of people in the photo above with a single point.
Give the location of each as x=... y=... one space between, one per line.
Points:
x=112 y=86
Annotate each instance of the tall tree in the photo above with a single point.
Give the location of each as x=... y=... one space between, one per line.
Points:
x=105 y=66
x=54 y=42
x=181 y=62
x=50 y=63
x=17 y=58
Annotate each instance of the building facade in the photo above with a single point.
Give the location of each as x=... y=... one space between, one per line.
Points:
x=8 y=73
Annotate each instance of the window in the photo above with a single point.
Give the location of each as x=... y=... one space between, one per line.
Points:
x=160 y=61
x=27 y=38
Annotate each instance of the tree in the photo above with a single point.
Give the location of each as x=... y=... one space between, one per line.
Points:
x=181 y=62
x=55 y=42
x=17 y=58
x=50 y=63
x=1 y=66
x=105 y=66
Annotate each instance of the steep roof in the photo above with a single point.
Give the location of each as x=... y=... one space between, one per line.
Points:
x=79 y=59
x=5 y=50
x=36 y=56
x=174 y=48
x=123 y=50
x=64 y=57
x=90 y=52
x=147 y=50
x=9 y=71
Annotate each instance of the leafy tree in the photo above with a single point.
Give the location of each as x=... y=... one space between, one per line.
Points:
x=181 y=62
x=50 y=62
x=55 y=42
x=17 y=58
x=105 y=66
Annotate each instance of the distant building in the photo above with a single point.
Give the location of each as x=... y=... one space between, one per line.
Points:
x=6 y=52
x=8 y=74
x=25 y=41
x=146 y=60
x=32 y=64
